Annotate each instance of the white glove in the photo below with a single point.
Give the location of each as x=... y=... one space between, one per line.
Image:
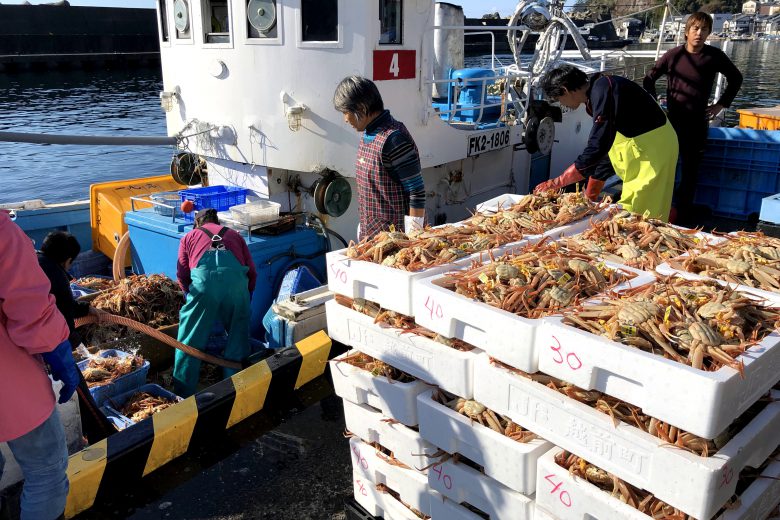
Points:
x=413 y=225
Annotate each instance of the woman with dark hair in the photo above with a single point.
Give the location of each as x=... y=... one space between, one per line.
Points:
x=390 y=186
x=629 y=129
x=58 y=251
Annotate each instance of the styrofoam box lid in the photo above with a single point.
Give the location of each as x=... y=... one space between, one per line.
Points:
x=255 y=207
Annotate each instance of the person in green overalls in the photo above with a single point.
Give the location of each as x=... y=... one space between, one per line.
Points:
x=630 y=134
x=217 y=274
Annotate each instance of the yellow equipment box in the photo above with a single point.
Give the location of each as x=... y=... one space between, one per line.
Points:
x=110 y=200
x=760 y=118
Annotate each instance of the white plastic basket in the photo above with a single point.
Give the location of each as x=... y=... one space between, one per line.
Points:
x=257 y=212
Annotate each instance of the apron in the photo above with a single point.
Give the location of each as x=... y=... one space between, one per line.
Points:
x=646 y=164
x=219 y=290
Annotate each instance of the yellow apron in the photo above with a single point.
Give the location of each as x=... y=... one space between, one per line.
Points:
x=646 y=164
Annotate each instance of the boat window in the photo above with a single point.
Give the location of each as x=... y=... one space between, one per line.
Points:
x=162 y=9
x=216 y=21
x=261 y=18
x=181 y=19
x=319 y=20
x=390 y=22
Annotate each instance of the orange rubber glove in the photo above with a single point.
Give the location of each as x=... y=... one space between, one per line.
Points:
x=570 y=176
x=593 y=189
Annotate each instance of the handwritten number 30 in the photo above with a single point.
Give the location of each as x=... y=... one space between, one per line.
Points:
x=571 y=358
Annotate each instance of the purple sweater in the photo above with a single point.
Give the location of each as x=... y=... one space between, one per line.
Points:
x=691 y=77
x=196 y=242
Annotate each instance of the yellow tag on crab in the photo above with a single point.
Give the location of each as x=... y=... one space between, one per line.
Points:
x=483 y=278
x=646 y=213
x=667 y=313
x=392 y=228
x=564 y=279
x=628 y=330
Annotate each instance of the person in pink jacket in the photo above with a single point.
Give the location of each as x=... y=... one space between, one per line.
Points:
x=32 y=331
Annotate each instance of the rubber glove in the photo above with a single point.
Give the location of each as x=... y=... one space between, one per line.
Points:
x=63 y=368
x=570 y=176
x=593 y=189
x=413 y=225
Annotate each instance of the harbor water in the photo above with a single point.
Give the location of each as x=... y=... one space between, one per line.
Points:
x=127 y=103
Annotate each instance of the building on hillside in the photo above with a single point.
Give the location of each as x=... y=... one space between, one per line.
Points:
x=718 y=19
x=769 y=8
x=740 y=24
x=750 y=7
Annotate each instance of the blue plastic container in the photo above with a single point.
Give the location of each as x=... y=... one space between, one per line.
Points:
x=295 y=281
x=740 y=167
x=112 y=406
x=121 y=384
x=221 y=198
x=472 y=92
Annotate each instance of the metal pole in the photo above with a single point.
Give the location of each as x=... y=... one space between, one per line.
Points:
x=21 y=137
x=661 y=33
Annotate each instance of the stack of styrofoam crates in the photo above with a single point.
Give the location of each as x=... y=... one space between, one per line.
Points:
x=385 y=413
x=470 y=467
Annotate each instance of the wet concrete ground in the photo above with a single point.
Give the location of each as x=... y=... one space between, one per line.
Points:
x=292 y=462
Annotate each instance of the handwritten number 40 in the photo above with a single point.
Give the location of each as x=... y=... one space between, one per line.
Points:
x=434 y=308
x=571 y=358
x=563 y=496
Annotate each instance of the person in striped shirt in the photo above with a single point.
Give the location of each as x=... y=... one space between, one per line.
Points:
x=390 y=186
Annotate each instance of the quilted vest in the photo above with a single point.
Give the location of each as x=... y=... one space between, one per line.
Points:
x=381 y=199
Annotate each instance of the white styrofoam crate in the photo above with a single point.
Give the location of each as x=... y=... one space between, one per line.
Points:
x=667 y=270
x=705 y=403
x=509 y=462
x=394 y=399
x=698 y=486
x=503 y=335
x=462 y=483
x=442 y=508
x=407 y=445
x=542 y=514
x=572 y=498
x=379 y=503
x=416 y=355
x=410 y=484
x=391 y=288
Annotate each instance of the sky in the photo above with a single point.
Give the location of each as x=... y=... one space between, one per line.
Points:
x=472 y=8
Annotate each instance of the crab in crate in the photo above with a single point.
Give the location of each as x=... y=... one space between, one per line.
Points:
x=376 y=367
x=634 y=240
x=535 y=281
x=751 y=259
x=397 y=320
x=477 y=412
x=100 y=371
x=154 y=300
x=698 y=323
x=621 y=411
x=623 y=491
x=143 y=404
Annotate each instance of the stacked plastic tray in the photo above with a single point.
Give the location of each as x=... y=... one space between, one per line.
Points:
x=411 y=452
x=121 y=384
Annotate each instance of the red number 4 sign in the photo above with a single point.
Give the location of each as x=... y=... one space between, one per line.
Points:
x=395 y=64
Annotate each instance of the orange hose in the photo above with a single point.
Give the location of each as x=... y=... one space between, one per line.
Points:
x=156 y=334
x=118 y=264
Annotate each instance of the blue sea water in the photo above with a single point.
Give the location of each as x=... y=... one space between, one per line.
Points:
x=127 y=103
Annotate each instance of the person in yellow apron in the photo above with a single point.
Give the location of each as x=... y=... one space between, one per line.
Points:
x=630 y=134
x=217 y=273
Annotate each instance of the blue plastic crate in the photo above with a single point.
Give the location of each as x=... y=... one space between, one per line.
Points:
x=221 y=198
x=112 y=406
x=121 y=384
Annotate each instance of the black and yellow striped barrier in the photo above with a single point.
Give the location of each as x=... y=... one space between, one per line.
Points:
x=147 y=445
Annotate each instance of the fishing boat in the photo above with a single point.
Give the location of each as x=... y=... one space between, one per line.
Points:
x=247 y=98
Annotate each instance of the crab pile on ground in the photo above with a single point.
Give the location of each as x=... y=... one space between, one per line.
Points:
x=154 y=300
x=697 y=323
